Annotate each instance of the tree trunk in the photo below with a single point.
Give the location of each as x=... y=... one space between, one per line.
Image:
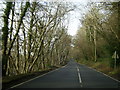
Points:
x=5 y=38
x=95 y=52
x=30 y=31
x=18 y=56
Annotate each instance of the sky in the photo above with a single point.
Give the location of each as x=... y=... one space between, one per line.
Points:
x=74 y=22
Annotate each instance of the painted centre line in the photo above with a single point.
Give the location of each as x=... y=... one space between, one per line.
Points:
x=79 y=76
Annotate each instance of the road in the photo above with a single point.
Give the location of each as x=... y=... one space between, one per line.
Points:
x=73 y=75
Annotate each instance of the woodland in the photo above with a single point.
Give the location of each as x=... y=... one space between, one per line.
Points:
x=34 y=36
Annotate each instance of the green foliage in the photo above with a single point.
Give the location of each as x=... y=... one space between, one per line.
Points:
x=105 y=27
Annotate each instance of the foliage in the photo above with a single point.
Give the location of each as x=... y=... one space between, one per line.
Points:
x=34 y=36
x=99 y=37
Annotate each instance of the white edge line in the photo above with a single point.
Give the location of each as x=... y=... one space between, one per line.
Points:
x=105 y=75
x=36 y=77
x=102 y=73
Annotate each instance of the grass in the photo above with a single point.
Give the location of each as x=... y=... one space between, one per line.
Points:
x=103 y=66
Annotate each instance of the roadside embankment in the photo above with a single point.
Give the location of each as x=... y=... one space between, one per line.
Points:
x=104 y=67
x=10 y=81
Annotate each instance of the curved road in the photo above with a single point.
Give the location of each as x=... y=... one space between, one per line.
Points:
x=73 y=75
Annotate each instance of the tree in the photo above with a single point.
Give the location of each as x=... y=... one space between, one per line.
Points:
x=34 y=31
x=5 y=30
x=101 y=32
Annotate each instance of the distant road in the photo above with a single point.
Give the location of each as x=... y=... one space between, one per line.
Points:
x=73 y=75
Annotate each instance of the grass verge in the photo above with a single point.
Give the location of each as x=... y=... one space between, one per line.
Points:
x=102 y=66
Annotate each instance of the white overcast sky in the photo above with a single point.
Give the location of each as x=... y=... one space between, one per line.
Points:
x=74 y=22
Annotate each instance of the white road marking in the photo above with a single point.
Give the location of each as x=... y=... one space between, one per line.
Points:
x=35 y=78
x=77 y=69
x=102 y=73
x=79 y=76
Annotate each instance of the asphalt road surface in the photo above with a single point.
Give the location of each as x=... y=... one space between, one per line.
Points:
x=73 y=75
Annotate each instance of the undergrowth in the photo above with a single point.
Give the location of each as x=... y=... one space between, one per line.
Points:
x=102 y=66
